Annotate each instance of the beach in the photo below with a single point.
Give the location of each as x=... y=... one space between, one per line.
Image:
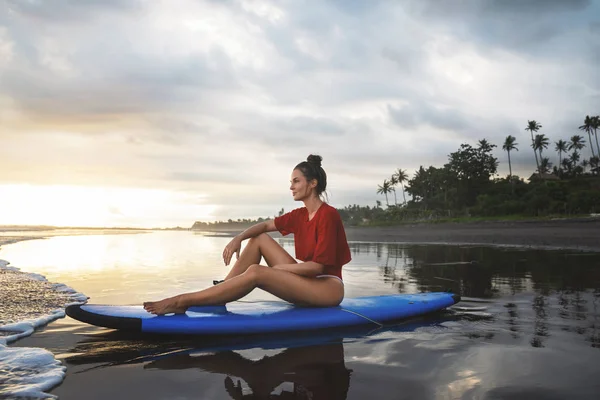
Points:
x=79 y=357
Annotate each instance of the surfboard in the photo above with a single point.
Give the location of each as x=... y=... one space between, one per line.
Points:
x=243 y=317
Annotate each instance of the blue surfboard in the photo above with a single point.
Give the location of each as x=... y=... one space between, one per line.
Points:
x=264 y=317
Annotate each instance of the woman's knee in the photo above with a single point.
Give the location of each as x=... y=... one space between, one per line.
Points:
x=256 y=240
x=254 y=272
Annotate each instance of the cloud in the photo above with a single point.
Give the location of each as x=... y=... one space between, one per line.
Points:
x=532 y=27
x=61 y=11
x=224 y=98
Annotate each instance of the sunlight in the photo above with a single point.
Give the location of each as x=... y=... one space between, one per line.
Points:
x=99 y=206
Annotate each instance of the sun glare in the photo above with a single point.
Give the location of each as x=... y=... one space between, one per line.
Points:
x=98 y=207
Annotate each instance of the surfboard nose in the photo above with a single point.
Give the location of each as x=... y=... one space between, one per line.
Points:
x=456 y=298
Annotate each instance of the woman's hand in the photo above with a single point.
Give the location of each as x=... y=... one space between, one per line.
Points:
x=233 y=247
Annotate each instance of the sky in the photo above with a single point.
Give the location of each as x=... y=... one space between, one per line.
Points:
x=160 y=113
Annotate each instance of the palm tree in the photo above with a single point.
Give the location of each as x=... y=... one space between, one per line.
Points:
x=588 y=127
x=401 y=177
x=533 y=126
x=561 y=147
x=576 y=143
x=566 y=164
x=545 y=165
x=393 y=183
x=540 y=143
x=509 y=144
x=574 y=158
x=595 y=126
x=384 y=189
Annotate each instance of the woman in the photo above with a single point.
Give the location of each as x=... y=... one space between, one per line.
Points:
x=320 y=243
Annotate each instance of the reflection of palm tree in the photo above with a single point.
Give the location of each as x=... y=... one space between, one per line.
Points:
x=513 y=318
x=316 y=371
x=594 y=336
x=540 y=328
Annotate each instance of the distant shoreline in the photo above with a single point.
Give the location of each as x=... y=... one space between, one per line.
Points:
x=573 y=233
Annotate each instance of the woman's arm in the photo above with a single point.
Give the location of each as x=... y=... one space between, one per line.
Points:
x=257 y=229
x=309 y=268
x=235 y=244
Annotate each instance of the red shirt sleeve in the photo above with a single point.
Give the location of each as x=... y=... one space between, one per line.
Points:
x=329 y=237
x=287 y=223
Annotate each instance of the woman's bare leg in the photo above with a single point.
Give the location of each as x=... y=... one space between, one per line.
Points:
x=260 y=246
x=296 y=289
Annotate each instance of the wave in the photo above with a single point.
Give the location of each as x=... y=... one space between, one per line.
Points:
x=28 y=301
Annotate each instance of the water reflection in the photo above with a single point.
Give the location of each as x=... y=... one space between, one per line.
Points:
x=528 y=321
x=276 y=366
x=540 y=327
x=314 y=372
x=532 y=293
x=550 y=283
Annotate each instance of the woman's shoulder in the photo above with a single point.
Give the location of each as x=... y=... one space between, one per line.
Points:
x=330 y=211
x=296 y=212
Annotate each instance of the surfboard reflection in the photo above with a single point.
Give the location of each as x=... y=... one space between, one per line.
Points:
x=315 y=372
x=311 y=363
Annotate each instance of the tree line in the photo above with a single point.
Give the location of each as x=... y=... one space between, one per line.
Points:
x=468 y=185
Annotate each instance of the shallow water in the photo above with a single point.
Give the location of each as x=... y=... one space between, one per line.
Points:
x=528 y=325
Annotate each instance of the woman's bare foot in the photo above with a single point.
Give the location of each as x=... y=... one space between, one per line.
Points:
x=165 y=306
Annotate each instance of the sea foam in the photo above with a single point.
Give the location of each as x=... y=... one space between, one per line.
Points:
x=27 y=302
x=28 y=372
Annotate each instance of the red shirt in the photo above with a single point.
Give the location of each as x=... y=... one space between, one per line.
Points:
x=322 y=239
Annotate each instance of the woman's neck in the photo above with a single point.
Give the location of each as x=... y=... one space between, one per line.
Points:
x=312 y=204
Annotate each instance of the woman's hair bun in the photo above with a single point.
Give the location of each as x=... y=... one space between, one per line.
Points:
x=315 y=160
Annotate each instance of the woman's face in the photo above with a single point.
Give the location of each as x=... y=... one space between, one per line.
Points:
x=300 y=187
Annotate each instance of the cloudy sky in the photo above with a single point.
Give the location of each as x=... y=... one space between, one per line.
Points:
x=160 y=113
